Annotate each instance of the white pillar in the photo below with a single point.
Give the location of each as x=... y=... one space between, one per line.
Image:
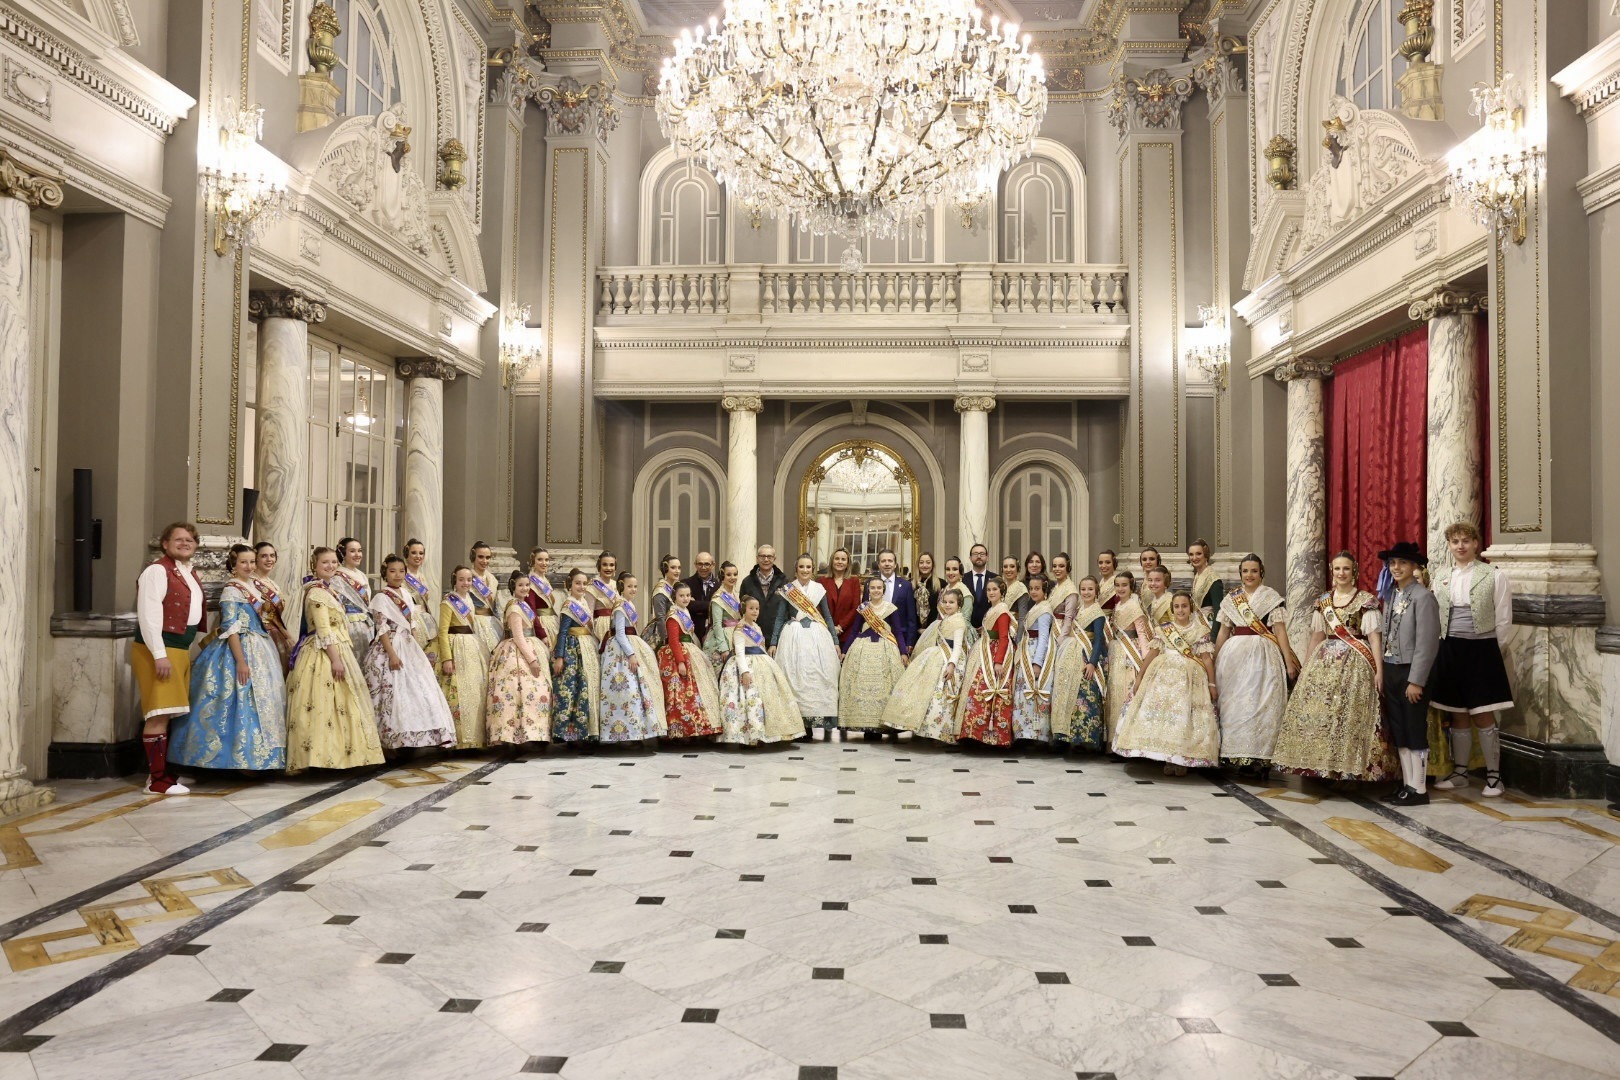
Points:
x=423 y=517
x=1306 y=571
x=1454 y=464
x=281 y=436
x=20 y=192
x=974 y=473
x=742 y=480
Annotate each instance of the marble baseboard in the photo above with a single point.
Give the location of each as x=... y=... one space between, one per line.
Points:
x=1555 y=772
x=19 y=796
x=93 y=761
x=1559 y=610
x=1608 y=640
x=93 y=696
x=1611 y=786
x=91 y=624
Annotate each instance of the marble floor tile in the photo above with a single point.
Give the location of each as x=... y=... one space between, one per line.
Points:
x=214 y=1037
x=673 y=1051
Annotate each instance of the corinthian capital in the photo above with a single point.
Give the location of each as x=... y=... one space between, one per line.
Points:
x=1446 y=301
x=1302 y=367
x=734 y=403
x=575 y=108
x=285 y=304
x=975 y=402
x=425 y=367
x=1150 y=102
x=18 y=182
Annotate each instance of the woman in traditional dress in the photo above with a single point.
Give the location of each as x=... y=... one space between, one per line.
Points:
x=1032 y=670
x=926 y=587
x=273 y=612
x=1066 y=664
x=517 y=703
x=985 y=711
x=872 y=664
x=169 y=614
x=725 y=612
x=1253 y=663
x=463 y=665
x=756 y=702
x=1014 y=593
x=802 y=642
x=603 y=594
x=405 y=695
x=543 y=598
x=691 y=692
x=1156 y=598
x=487 y=598
x=1085 y=647
x=424 y=606
x=353 y=589
x=1128 y=638
x=1208 y=590
x=925 y=699
x=1172 y=712
x=843 y=597
x=663 y=598
x=576 y=671
x=238 y=717
x=953 y=580
x=632 y=698
x=330 y=722
x=1333 y=728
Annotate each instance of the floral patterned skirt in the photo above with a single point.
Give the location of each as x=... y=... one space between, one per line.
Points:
x=984 y=717
x=685 y=707
x=1333 y=728
x=517 y=705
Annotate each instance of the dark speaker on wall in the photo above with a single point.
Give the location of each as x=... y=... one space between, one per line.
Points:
x=86 y=539
x=250 y=503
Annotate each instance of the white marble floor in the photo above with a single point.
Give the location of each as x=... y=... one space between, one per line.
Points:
x=858 y=911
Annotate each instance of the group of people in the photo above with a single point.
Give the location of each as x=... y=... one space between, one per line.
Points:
x=1192 y=677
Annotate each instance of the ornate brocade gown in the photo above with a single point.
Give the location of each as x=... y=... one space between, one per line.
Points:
x=871 y=667
x=1171 y=717
x=925 y=699
x=232 y=726
x=330 y=722
x=411 y=708
x=632 y=701
x=1333 y=728
x=764 y=711
x=517 y=702
x=985 y=710
x=467 y=689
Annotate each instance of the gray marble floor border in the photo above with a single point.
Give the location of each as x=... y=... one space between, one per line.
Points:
x=57 y=908
x=1572 y=1001
x=1578 y=904
x=53 y=1005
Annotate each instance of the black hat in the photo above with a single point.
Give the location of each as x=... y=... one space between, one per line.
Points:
x=1407 y=550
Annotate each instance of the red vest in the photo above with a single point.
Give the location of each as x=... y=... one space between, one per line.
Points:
x=177 y=601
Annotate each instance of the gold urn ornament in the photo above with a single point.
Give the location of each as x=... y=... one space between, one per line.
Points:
x=324 y=29
x=1280 y=158
x=1418 y=19
x=452 y=163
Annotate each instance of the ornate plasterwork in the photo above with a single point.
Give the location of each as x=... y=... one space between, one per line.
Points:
x=1446 y=301
x=17 y=182
x=574 y=108
x=975 y=403
x=1302 y=367
x=1150 y=102
x=363 y=162
x=1376 y=153
x=733 y=403
x=285 y=304
x=425 y=367
x=77 y=68
x=24 y=86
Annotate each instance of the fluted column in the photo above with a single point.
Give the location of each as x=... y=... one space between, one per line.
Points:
x=742 y=479
x=423 y=516
x=1454 y=465
x=974 y=473
x=282 y=435
x=1306 y=571
x=20 y=192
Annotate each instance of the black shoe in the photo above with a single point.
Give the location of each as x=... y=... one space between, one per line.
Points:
x=1407 y=797
x=1398 y=794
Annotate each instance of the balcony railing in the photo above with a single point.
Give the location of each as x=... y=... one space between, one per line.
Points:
x=925 y=289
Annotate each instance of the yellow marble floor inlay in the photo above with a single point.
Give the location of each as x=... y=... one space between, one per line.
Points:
x=320 y=825
x=1546 y=935
x=1386 y=845
x=18 y=852
x=423 y=775
x=112 y=929
x=1529 y=819
x=1282 y=794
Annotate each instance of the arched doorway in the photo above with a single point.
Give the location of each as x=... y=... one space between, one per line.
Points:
x=861 y=495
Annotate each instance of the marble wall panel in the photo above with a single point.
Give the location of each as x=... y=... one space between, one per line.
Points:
x=1557 y=684
x=92 y=691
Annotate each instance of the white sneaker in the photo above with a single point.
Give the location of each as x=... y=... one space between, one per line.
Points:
x=1457 y=779
x=1494 y=788
x=175 y=788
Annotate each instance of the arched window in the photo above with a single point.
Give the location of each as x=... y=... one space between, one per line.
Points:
x=1370 y=71
x=689 y=222
x=367 y=75
x=685 y=515
x=1037 y=211
x=1037 y=511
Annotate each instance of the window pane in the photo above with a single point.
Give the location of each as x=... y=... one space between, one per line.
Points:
x=319 y=443
x=320 y=385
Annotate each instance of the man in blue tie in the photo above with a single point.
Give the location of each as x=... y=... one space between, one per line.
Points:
x=979 y=556
x=898 y=591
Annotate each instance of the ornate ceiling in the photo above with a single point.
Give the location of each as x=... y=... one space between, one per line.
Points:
x=670 y=15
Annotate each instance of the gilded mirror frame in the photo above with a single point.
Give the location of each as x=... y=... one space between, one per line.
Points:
x=904 y=475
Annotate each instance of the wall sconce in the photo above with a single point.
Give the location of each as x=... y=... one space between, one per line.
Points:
x=242 y=197
x=1210 y=350
x=1491 y=172
x=520 y=345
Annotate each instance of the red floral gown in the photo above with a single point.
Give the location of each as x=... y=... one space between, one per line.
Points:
x=987 y=703
x=691 y=702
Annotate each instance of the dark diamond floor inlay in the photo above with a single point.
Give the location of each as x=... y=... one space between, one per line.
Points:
x=548 y=1065
x=1279 y=980
x=395 y=958
x=1140 y=941
x=533 y=927
x=281 y=1052
x=826 y=973
x=947 y=1020
x=460 y=1005
x=607 y=967
x=733 y=935
x=1453 y=1028
x=230 y=994
x=1052 y=978
x=700 y=1016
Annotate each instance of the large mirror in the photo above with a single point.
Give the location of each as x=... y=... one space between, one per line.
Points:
x=859 y=495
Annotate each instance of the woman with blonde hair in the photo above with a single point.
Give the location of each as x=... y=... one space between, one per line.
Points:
x=330 y=721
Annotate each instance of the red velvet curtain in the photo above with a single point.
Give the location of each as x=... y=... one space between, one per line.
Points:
x=1376 y=408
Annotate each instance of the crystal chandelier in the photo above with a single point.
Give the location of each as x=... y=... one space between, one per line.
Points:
x=244 y=198
x=853 y=116
x=1210 y=347
x=520 y=345
x=1492 y=171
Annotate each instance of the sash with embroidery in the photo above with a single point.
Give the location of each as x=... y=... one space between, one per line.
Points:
x=1201 y=586
x=460 y=606
x=484 y=594
x=418 y=586
x=362 y=587
x=878 y=625
x=799 y=599
x=1177 y=638
x=543 y=587
x=732 y=605
x=578 y=612
x=1122 y=639
x=400 y=602
x=753 y=634
x=254 y=600
x=1336 y=627
x=1240 y=601
x=683 y=619
x=630 y=615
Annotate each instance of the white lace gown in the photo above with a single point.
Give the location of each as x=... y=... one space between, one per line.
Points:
x=410 y=707
x=807 y=653
x=1253 y=679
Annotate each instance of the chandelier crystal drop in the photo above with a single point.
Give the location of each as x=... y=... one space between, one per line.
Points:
x=1493 y=170
x=854 y=117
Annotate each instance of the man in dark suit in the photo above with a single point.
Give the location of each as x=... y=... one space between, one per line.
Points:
x=704 y=583
x=899 y=592
x=763 y=582
x=977 y=575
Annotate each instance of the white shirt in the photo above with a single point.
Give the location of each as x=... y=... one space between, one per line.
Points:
x=888 y=588
x=1462 y=587
x=150 y=589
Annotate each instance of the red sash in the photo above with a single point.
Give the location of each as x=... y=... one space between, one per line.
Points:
x=1336 y=627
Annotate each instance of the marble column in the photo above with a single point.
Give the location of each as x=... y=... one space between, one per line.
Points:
x=974 y=473
x=742 y=480
x=282 y=435
x=423 y=516
x=1306 y=563
x=20 y=192
x=1454 y=464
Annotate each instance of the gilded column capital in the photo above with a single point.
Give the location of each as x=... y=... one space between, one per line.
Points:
x=20 y=183
x=735 y=403
x=1302 y=367
x=575 y=108
x=285 y=304
x=1446 y=301
x=425 y=367
x=1150 y=102
x=975 y=402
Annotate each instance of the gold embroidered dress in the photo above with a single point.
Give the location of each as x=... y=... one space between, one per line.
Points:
x=1333 y=728
x=924 y=700
x=872 y=667
x=330 y=722
x=1129 y=635
x=1171 y=717
x=468 y=687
